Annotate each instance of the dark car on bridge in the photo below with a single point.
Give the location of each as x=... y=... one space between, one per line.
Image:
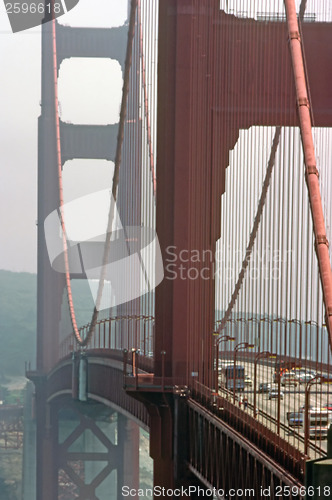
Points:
x=275 y=394
x=264 y=387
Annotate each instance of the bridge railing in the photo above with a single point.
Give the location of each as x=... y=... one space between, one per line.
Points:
x=116 y=333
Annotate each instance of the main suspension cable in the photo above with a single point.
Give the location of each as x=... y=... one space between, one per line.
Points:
x=311 y=172
x=131 y=31
x=255 y=227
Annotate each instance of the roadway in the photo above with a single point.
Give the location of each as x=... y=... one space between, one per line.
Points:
x=293 y=400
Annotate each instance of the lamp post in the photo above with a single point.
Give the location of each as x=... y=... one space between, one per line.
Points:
x=278 y=407
x=242 y=320
x=314 y=323
x=115 y=328
x=297 y=322
x=133 y=361
x=267 y=320
x=223 y=338
x=242 y=345
x=257 y=321
x=138 y=319
x=263 y=354
x=284 y=322
x=145 y=320
x=223 y=323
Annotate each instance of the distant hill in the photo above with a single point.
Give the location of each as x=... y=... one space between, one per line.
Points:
x=18 y=292
x=18 y=318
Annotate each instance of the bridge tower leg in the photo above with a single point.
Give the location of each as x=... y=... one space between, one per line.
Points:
x=169 y=440
x=46 y=444
x=128 y=453
x=67 y=42
x=183 y=309
x=29 y=445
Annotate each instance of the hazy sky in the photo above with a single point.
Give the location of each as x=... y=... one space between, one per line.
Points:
x=19 y=104
x=96 y=82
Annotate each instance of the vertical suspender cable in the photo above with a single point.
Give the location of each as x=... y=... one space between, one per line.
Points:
x=311 y=172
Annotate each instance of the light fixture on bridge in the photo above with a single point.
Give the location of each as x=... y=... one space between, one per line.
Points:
x=263 y=354
x=223 y=338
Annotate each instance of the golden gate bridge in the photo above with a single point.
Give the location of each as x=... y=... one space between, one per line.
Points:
x=215 y=253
